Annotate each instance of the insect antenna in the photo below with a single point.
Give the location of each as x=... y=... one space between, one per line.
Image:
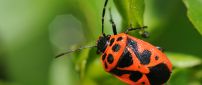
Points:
x=70 y=51
x=103 y=15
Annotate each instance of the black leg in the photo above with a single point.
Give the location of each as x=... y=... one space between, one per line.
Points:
x=143 y=33
x=112 y=22
x=103 y=15
x=138 y=28
x=160 y=48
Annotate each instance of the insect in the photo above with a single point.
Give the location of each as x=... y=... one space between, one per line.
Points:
x=131 y=60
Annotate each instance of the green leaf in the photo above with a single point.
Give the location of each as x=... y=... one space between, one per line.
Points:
x=194 y=13
x=170 y=27
x=179 y=77
x=131 y=11
x=183 y=60
x=185 y=76
x=90 y=17
x=25 y=39
x=81 y=62
x=63 y=72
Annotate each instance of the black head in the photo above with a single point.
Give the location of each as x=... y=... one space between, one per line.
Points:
x=102 y=43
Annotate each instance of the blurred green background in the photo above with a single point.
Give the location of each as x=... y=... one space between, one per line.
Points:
x=32 y=32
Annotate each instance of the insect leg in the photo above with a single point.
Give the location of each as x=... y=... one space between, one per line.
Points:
x=160 y=48
x=131 y=29
x=143 y=33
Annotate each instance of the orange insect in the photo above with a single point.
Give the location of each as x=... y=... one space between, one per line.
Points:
x=132 y=60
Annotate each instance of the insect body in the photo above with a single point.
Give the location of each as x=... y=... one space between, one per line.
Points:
x=132 y=60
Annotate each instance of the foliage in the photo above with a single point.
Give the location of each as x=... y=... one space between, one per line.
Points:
x=194 y=13
x=32 y=32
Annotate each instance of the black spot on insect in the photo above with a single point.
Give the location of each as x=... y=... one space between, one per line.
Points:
x=105 y=64
x=104 y=56
x=118 y=72
x=145 y=57
x=135 y=76
x=116 y=47
x=119 y=39
x=158 y=74
x=138 y=66
x=111 y=42
x=143 y=83
x=156 y=57
x=110 y=58
x=132 y=44
x=125 y=59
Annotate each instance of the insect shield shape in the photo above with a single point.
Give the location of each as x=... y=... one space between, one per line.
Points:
x=130 y=59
